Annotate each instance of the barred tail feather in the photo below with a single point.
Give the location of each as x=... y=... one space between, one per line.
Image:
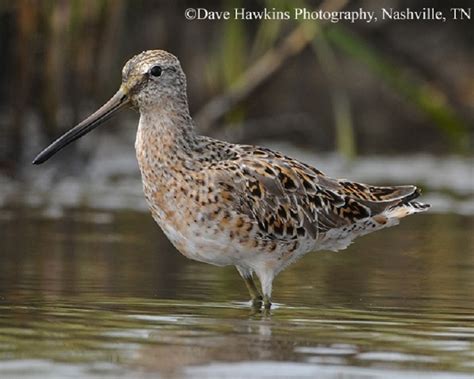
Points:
x=406 y=206
x=403 y=210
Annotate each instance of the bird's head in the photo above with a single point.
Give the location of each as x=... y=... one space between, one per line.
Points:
x=150 y=80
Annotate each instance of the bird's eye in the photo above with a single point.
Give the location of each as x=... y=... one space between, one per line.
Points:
x=155 y=71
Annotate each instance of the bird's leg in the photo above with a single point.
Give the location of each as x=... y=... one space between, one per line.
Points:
x=266 y=280
x=254 y=294
x=248 y=279
x=267 y=302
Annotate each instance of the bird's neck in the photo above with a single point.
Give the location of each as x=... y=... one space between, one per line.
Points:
x=166 y=135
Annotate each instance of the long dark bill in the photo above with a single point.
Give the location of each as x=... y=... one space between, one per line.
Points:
x=119 y=100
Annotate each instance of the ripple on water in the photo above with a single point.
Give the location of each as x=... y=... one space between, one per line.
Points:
x=107 y=296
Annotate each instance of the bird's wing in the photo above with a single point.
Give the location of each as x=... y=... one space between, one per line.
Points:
x=288 y=199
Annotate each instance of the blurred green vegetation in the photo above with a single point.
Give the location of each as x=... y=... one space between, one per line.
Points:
x=63 y=58
x=425 y=96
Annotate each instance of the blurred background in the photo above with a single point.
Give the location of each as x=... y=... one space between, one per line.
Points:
x=390 y=88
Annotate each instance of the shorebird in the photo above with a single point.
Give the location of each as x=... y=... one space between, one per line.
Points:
x=228 y=204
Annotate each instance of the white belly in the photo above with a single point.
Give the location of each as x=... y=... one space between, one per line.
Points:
x=196 y=244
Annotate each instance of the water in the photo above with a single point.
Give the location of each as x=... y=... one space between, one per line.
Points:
x=103 y=294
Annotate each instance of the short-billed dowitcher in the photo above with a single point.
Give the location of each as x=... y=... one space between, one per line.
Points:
x=240 y=205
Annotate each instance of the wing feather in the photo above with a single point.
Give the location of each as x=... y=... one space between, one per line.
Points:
x=288 y=199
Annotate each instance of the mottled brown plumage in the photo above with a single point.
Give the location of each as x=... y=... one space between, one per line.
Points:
x=240 y=205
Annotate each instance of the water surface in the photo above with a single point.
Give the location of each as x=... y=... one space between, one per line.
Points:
x=98 y=293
